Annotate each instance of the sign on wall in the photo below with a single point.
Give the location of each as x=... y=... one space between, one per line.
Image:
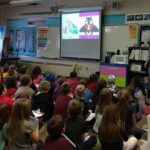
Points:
x=42 y=38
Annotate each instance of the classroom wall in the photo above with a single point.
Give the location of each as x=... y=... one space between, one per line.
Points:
x=62 y=67
x=65 y=66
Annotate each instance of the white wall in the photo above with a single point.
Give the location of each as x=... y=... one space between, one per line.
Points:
x=63 y=67
x=86 y=68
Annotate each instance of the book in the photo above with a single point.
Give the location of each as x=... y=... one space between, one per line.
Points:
x=90 y=117
x=37 y=113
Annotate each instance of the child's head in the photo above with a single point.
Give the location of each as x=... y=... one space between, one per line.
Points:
x=11 y=82
x=74 y=108
x=105 y=99
x=80 y=91
x=61 y=80
x=65 y=88
x=5 y=69
x=55 y=126
x=2 y=89
x=4 y=114
x=36 y=71
x=25 y=80
x=12 y=70
x=44 y=86
x=21 y=109
x=84 y=82
x=92 y=78
x=23 y=69
x=101 y=83
x=73 y=74
x=23 y=94
x=123 y=97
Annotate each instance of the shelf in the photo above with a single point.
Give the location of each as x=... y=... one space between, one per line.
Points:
x=137 y=60
x=140 y=72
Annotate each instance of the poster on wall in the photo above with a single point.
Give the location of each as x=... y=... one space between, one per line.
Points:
x=42 y=38
x=20 y=41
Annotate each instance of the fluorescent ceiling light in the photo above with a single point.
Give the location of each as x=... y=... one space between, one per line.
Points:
x=13 y=2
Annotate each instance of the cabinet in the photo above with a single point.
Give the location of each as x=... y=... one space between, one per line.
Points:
x=137 y=58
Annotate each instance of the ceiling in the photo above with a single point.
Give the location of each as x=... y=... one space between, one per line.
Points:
x=6 y=3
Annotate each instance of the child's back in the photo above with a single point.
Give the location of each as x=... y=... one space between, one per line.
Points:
x=44 y=102
x=3 y=119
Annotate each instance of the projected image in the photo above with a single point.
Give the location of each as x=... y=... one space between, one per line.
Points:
x=83 y=25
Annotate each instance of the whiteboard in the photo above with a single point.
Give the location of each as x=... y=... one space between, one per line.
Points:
x=113 y=38
x=117 y=37
x=53 y=47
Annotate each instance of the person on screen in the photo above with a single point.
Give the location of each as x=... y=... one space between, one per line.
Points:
x=88 y=28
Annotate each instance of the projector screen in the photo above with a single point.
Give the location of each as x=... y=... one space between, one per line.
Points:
x=81 y=34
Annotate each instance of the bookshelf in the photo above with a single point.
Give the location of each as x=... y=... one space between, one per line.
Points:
x=137 y=58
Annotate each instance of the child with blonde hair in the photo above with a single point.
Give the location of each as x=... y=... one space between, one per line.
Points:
x=23 y=130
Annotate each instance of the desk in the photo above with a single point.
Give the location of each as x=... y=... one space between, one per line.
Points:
x=119 y=70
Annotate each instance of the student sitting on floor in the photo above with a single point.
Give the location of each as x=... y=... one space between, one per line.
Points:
x=61 y=104
x=73 y=80
x=111 y=132
x=74 y=123
x=26 y=81
x=79 y=95
x=92 y=83
x=12 y=70
x=43 y=101
x=139 y=95
x=56 y=140
x=105 y=99
x=5 y=71
x=11 y=85
x=4 y=114
x=57 y=90
x=23 y=130
x=101 y=83
x=127 y=114
x=37 y=75
x=4 y=98
x=88 y=96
